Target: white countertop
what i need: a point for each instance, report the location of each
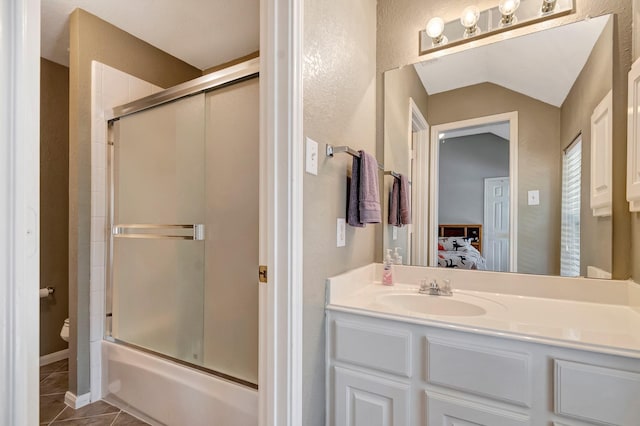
(601, 327)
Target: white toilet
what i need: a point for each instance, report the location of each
(64, 333)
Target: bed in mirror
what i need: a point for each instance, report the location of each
(496, 142)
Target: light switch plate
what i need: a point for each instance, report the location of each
(394, 232)
(341, 231)
(533, 198)
(312, 157)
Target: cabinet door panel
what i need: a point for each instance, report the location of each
(443, 410)
(596, 394)
(366, 400)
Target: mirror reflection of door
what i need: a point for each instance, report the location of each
(496, 223)
(473, 202)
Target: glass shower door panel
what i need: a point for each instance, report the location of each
(158, 212)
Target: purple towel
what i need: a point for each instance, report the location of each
(363, 204)
(369, 197)
(353, 215)
(394, 201)
(404, 205)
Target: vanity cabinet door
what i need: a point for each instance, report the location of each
(444, 410)
(366, 400)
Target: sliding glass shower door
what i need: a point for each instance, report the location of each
(184, 240)
(158, 229)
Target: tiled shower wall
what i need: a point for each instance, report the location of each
(110, 88)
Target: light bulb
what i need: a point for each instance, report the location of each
(469, 21)
(508, 7)
(469, 17)
(435, 29)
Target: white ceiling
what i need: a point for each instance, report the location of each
(543, 65)
(203, 33)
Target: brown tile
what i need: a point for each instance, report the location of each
(126, 419)
(54, 366)
(95, 409)
(104, 420)
(55, 383)
(51, 406)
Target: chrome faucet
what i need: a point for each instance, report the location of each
(433, 289)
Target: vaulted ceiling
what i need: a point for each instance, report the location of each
(202, 33)
(543, 65)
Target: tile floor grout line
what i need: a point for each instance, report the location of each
(116, 418)
(57, 415)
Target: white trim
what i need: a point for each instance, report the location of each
(19, 210)
(54, 357)
(281, 160)
(512, 118)
(76, 402)
(420, 184)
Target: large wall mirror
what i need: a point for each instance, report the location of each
(495, 141)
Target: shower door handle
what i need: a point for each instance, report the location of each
(153, 231)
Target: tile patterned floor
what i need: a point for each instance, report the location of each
(54, 381)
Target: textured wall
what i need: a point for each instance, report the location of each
(635, 217)
(591, 86)
(399, 22)
(54, 203)
(339, 108)
(399, 86)
(539, 166)
(94, 39)
(464, 163)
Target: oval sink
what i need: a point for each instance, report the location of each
(431, 305)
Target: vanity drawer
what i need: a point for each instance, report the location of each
(445, 410)
(380, 348)
(485, 371)
(597, 394)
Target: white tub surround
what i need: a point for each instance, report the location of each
(561, 351)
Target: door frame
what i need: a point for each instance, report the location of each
(512, 118)
(281, 198)
(19, 211)
(419, 126)
(280, 396)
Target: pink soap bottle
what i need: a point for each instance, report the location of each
(387, 269)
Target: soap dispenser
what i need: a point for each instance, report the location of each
(387, 269)
(397, 259)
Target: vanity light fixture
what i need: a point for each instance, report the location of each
(469, 21)
(508, 9)
(475, 24)
(435, 30)
(548, 6)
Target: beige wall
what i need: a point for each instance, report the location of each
(94, 39)
(399, 86)
(54, 203)
(399, 22)
(539, 165)
(635, 217)
(339, 108)
(591, 86)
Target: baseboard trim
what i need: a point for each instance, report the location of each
(54, 357)
(76, 402)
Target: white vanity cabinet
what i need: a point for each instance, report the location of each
(386, 372)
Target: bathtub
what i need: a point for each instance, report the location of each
(165, 393)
